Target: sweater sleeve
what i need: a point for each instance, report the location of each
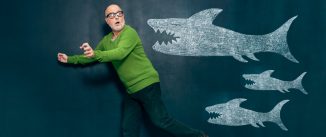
(82, 59)
(126, 44)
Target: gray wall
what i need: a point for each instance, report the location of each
(40, 97)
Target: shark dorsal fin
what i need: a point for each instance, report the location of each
(267, 72)
(237, 101)
(206, 16)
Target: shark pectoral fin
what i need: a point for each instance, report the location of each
(261, 124)
(281, 90)
(239, 58)
(286, 90)
(252, 56)
(254, 124)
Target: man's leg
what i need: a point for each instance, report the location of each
(131, 117)
(150, 99)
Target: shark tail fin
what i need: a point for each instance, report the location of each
(298, 83)
(275, 114)
(278, 41)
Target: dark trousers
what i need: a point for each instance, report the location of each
(149, 99)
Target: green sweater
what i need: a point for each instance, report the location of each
(127, 55)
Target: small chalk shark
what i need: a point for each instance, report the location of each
(264, 81)
(197, 36)
(231, 114)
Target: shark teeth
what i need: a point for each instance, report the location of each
(161, 31)
(214, 113)
(250, 82)
(213, 118)
(174, 40)
(169, 32)
(156, 43)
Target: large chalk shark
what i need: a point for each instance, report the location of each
(264, 81)
(197, 36)
(231, 114)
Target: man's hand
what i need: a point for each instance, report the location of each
(88, 51)
(62, 57)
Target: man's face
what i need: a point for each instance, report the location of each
(114, 17)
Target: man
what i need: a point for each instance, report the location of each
(124, 49)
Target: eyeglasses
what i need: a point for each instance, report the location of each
(113, 15)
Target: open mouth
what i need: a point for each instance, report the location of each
(166, 37)
(249, 82)
(214, 116)
(117, 23)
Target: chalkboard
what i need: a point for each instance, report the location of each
(40, 97)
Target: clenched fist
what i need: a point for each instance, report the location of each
(88, 51)
(62, 57)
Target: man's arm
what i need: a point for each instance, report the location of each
(80, 59)
(126, 44)
(83, 59)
